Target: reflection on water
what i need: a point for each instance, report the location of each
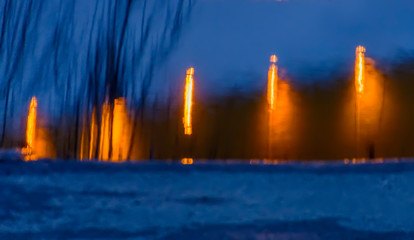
(104, 139)
(115, 134)
(38, 140)
(120, 132)
(282, 123)
(94, 134)
(369, 107)
(363, 161)
(265, 162)
(30, 150)
(272, 84)
(188, 97)
(280, 114)
(187, 161)
(332, 120)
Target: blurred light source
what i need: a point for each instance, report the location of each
(187, 161)
(188, 95)
(93, 136)
(29, 150)
(272, 84)
(105, 132)
(360, 70)
(120, 125)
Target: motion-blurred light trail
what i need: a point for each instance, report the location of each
(120, 125)
(369, 104)
(360, 70)
(93, 136)
(29, 150)
(105, 132)
(359, 88)
(188, 95)
(272, 84)
(114, 138)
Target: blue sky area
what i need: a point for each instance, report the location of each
(229, 40)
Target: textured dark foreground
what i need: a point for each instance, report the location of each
(208, 200)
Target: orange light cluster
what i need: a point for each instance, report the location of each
(113, 139)
(105, 136)
(272, 84)
(188, 95)
(360, 69)
(115, 122)
(187, 161)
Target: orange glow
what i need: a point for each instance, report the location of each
(272, 83)
(105, 133)
(360, 70)
(81, 152)
(92, 141)
(369, 88)
(369, 105)
(29, 150)
(188, 95)
(114, 136)
(187, 161)
(283, 125)
(31, 124)
(120, 125)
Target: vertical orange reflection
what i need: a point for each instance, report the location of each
(360, 69)
(105, 133)
(93, 136)
(120, 125)
(359, 88)
(29, 150)
(31, 124)
(188, 95)
(282, 123)
(272, 84)
(82, 144)
(369, 98)
(114, 136)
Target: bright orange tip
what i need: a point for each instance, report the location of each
(190, 71)
(272, 84)
(360, 69)
(273, 59)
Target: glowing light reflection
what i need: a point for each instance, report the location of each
(272, 83)
(360, 69)
(120, 142)
(29, 150)
(188, 95)
(187, 161)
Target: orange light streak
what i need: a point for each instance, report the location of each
(105, 133)
(114, 138)
(360, 70)
(81, 152)
(359, 88)
(188, 95)
(29, 150)
(272, 84)
(120, 125)
(92, 142)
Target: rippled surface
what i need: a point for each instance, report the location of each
(207, 200)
